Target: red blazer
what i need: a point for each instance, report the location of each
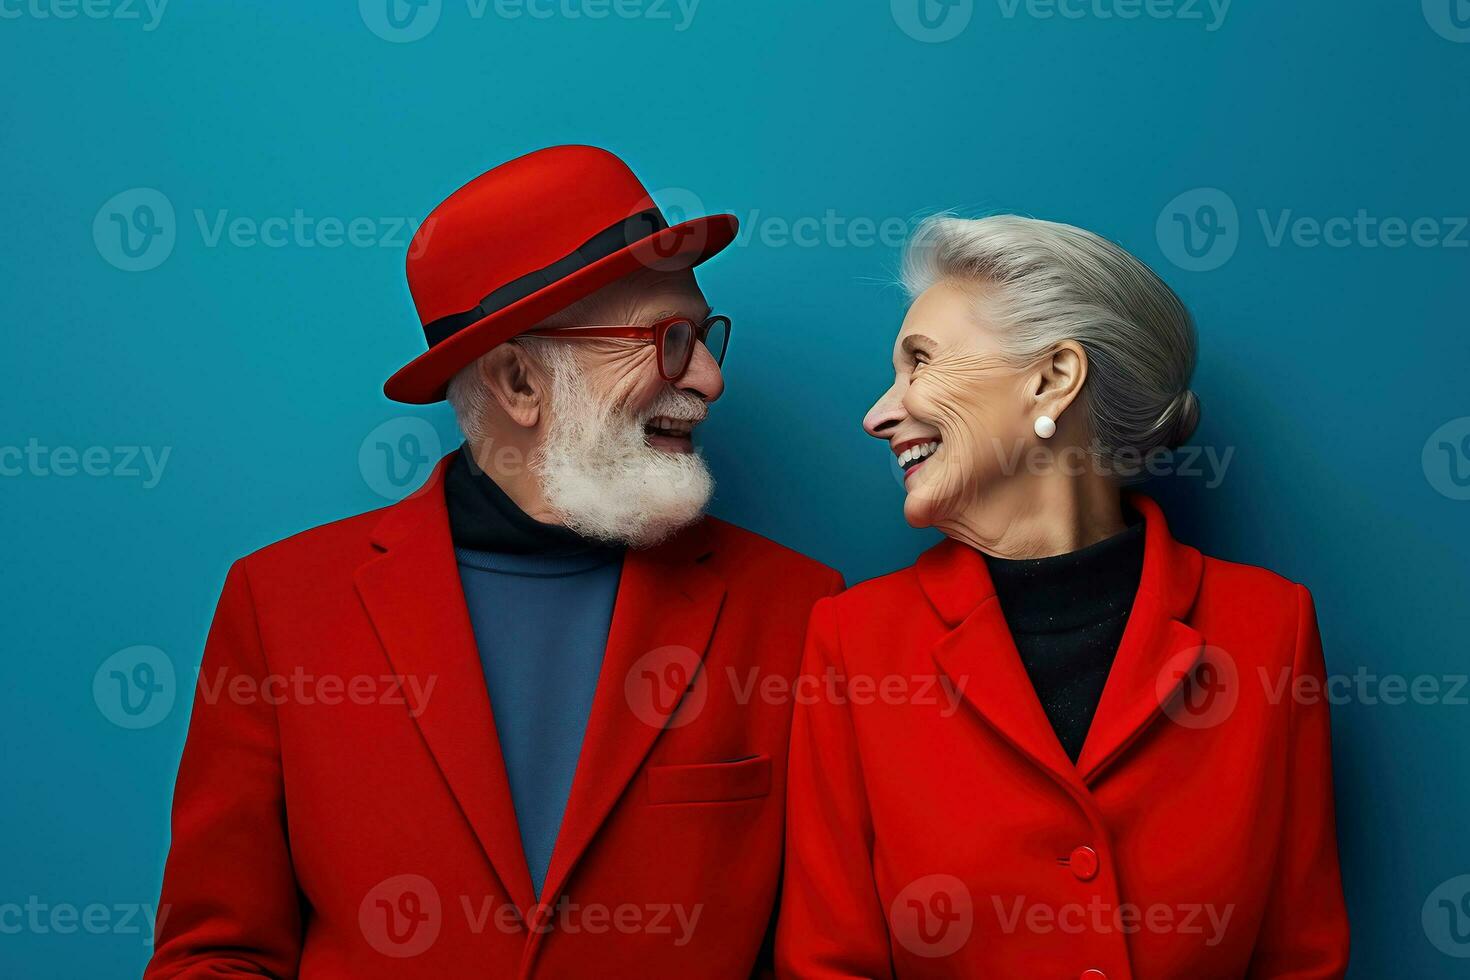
(342, 809)
(941, 831)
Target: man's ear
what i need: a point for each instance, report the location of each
(516, 382)
(1058, 379)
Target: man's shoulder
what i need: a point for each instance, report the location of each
(345, 542)
(745, 552)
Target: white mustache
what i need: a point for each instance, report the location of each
(676, 405)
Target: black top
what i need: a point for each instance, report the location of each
(482, 517)
(1067, 614)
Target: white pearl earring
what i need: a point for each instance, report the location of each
(1045, 427)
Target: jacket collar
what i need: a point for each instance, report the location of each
(413, 595)
(1158, 649)
(667, 598)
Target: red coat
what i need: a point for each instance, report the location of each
(342, 809)
(941, 831)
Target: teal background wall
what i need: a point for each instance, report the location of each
(237, 337)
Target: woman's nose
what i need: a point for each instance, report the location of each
(886, 413)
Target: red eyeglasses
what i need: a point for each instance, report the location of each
(673, 339)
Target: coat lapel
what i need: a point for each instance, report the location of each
(662, 621)
(1157, 653)
(414, 597)
(1159, 650)
(979, 656)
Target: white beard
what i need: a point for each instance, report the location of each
(599, 475)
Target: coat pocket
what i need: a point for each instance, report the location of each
(712, 782)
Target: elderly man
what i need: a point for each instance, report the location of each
(533, 719)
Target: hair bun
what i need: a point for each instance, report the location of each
(1184, 411)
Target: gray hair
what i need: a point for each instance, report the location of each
(1052, 283)
(467, 394)
(469, 397)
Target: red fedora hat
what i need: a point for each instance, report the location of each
(526, 240)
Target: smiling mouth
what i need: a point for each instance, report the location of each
(913, 453)
(669, 434)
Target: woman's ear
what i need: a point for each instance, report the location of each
(516, 382)
(1058, 379)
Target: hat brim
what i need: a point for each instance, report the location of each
(683, 246)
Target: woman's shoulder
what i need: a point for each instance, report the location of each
(894, 597)
(1243, 578)
(1253, 611)
(900, 583)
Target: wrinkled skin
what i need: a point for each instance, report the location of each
(985, 486)
(623, 371)
(626, 371)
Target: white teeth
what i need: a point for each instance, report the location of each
(670, 425)
(915, 453)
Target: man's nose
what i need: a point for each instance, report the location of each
(703, 379)
(886, 413)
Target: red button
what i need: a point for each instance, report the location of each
(1084, 864)
(1094, 975)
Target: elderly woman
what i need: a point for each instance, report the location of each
(1062, 743)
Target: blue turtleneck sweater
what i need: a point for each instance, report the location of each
(540, 599)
